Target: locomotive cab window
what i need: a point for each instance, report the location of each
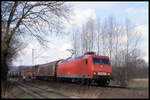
(86, 61)
(101, 61)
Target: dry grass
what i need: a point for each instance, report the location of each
(81, 91)
(76, 90)
(139, 83)
(140, 80)
(12, 91)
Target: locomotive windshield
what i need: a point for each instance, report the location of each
(101, 61)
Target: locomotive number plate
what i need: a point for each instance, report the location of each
(101, 73)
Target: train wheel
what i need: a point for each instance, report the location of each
(73, 80)
(55, 79)
(88, 82)
(104, 82)
(83, 81)
(107, 82)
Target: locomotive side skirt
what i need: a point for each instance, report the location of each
(74, 76)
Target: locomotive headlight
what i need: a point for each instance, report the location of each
(108, 73)
(94, 73)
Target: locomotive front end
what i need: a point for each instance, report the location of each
(102, 72)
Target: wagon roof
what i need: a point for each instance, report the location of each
(27, 67)
(54, 62)
(13, 69)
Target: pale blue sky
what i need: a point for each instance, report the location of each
(137, 12)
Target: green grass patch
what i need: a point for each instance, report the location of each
(25, 95)
(48, 95)
(144, 86)
(34, 89)
(63, 92)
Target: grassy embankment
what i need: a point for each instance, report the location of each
(139, 84)
(14, 92)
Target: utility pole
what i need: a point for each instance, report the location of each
(21, 62)
(32, 56)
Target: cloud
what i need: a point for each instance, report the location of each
(96, 5)
(146, 58)
(65, 46)
(143, 30)
(138, 15)
(56, 51)
(79, 17)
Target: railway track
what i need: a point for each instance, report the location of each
(37, 92)
(48, 91)
(72, 90)
(31, 93)
(96, 85)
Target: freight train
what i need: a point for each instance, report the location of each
(84, 69)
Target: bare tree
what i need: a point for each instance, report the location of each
(88, 32)
(110, 27)
(98, 35)
(104, 38)
(84, 42)
(76, 41)
(23, 19)
(117, 42)
(132, 40)
(115, 39)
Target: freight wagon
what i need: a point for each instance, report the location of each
(27, 72)
(47, 71)
(13, 72)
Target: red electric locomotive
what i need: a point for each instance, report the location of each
(86, 69)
